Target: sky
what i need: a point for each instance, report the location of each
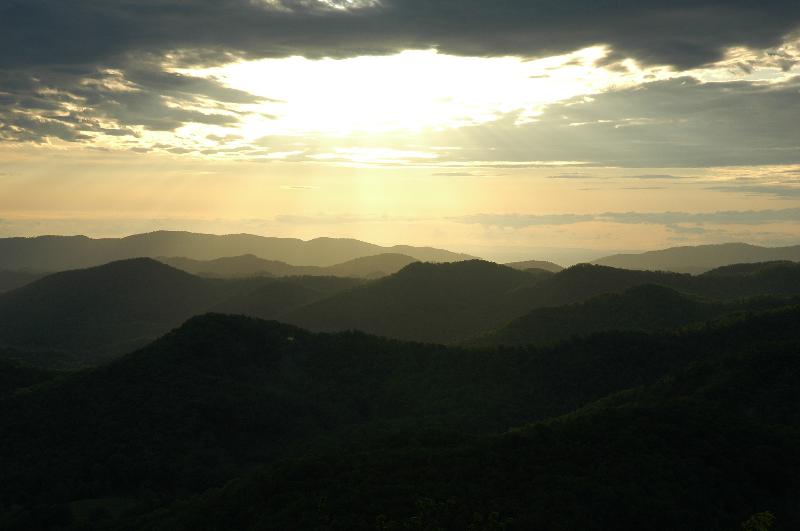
(508, 129)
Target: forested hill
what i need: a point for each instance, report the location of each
(455, 302)
(425, 302)
(250, 265)
(647, 307)
(715, 445)
(400, 424)
(86, 316)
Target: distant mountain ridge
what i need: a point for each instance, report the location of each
(700, 258)
(58, 253)
(535, 264)
(424, 302)
(452, 303)
(89, 315)
(250, 265)
(644, 308)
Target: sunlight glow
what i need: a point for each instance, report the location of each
(411, 91)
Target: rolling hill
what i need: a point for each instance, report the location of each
(713, 445)
(393, 432)
(85, 316)
(251, 265)
(58, 253)
(451, 303)
(701, 258)
(535, 264)
(424, 302)
(646, 307)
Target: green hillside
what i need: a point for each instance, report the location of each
(425, 302)
(644, 308)
(711, 446)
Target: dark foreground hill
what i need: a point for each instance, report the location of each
(359, 432)
(714, 445)
(644, 308)
(701, 258)
(251, 265)
(57, 253)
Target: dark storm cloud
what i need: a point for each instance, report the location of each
(50, 48)
(70, 103)
(680, 32)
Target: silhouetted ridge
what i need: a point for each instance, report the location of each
(701, 258)
(107, 309)
(251, 265)
(423, 302)
(705, 447)
(56, 253)
(647, 307)
(535, 264)
(750, 269)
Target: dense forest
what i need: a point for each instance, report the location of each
(138, 396)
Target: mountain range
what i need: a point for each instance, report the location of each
(700, 258)
(251, 265)
(384, 392)
(58, 253)
(99, 313)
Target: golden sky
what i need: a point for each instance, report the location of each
(564, 155)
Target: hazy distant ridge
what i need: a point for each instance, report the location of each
(535, 264)
(701, 258)
(251, 265)
(56, 253)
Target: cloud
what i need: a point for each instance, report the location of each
(77, 104)
(670, 219)
(780, 191)
(455, 174)
(658, 176)
(681, 122)
(571, 176)
(682, 33)
(591, 176)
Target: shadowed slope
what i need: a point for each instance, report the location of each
(222, 392)
(107, 309)
(704, 448)
(645, 308)
(251, 265)
(423, 302)
(16, 279)
(535, 264)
